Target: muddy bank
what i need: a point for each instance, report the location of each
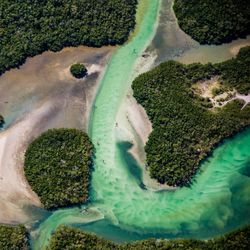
(46, 77)
(171, 43)
(40, 95)
(213, 53)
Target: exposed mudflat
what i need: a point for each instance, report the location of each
(41, 94)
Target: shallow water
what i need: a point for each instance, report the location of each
(121, 208)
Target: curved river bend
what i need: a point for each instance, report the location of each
(120, 209)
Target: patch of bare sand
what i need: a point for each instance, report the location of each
(14, 190)
(205, 89)
(134, 124)
(40, 95)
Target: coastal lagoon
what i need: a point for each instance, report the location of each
(122, 206)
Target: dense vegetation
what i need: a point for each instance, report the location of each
(58, 165)
(184, 130)
(214, 21)
(236, 72)
(29, 27)
(70, 238)
(13, 238)
(1, 121)
(78, 70)
(17, 238)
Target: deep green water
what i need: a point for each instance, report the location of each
(121, 208)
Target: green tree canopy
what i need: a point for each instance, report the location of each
(184, 129)
(29, 27)
(78, 70)
(14, 238)
(58, 166)
(70, 238)
(214, 21)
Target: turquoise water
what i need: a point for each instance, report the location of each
(121, 208)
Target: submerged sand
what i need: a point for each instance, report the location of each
(40, 95)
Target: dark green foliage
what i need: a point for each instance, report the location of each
(218, 91)
(70, 238)
(1, 121)
(214, 21)
(29, 27)
(153, 244)
(184, 130)
(58, 166)
(198, 72)
(13, 238)
(236, 240)
(236, 72)
(78, 70)
(75, 239)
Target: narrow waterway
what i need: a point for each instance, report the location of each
(120, 209)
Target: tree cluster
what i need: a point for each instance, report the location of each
(1, 121)
(184, 129)
(70, 238)
(78, 70)
(29, 27)
(214, 21)
(235, 73)
(14, 238)
(58, 166)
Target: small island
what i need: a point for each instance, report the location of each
(213, 21)
(78, 70)
(14, 237)
(1, 121)
(188, 122)
(58, 165)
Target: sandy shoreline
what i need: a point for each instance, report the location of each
(14, 190)
(40, 95)
(133, 124)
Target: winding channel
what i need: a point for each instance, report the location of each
(120, 209)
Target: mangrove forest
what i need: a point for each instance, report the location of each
(58, 166)
(70, 238)
(185, 129)
(214, 21)
(30, 27)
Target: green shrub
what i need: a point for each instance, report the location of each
(1, 121)
(218, 91)
(78, 70)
